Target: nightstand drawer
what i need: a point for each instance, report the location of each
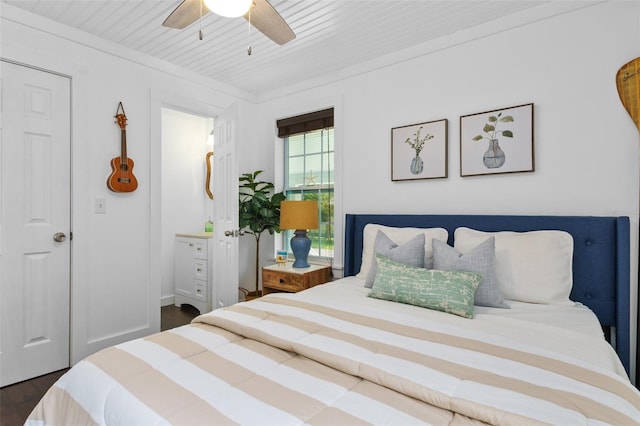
(283, 281)
(285, 278)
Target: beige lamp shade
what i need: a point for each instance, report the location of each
(299, 215)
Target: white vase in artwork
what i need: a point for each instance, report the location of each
(493, 157)
(417, 165)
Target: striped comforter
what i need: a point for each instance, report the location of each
(297, 359)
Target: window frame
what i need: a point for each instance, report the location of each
(294, 106)
(315, 188)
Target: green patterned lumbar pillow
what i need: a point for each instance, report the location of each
(447, 291)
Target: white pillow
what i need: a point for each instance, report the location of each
(398, 236)
(534, 267)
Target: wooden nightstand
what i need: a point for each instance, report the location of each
(288, 279)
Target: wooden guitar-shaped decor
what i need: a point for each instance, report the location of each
(122, 178)
(628, 84)
(207, 182)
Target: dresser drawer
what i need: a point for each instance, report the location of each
(200, 290)
(200, 269)
(200, 249)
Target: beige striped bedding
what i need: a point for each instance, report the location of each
(333, 356)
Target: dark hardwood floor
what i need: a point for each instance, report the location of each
(17, 400)
(171, 316)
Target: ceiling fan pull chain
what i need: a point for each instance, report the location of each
(200, 30)
(249, 34)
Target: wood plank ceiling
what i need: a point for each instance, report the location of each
(331, 35)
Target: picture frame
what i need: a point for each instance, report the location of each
(497, 141)
(419, 151)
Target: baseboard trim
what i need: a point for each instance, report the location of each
(167, 300)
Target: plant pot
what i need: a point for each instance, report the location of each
(252, 295)
(417, 165)
(246, 295)
(494, 157)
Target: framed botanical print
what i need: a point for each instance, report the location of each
(419, 151)
(497, 141)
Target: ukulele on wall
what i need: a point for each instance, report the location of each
(122, 178)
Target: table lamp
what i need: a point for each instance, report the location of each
(299, 215)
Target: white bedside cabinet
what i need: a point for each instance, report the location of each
(193, 270)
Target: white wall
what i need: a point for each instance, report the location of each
(586, 146)
(116, 257)
(253, 139)
(185, 206)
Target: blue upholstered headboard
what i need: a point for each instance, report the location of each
(601, 274)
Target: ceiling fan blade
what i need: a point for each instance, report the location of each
(185, 14)
(268, 21)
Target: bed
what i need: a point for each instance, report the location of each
(342, 353)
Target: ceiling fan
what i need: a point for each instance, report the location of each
(260, 13)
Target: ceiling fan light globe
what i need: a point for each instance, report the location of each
(228, 8)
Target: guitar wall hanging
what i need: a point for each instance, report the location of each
(628, 84)
(122, 178)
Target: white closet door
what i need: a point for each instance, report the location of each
(35, 143)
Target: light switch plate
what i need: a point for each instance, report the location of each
(100, 206)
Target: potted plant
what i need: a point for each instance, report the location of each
(258, 212)
(494, 157)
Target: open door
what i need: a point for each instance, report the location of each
(225, 209)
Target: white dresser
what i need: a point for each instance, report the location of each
(193, 270)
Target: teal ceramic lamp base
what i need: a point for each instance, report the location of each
(300, 245)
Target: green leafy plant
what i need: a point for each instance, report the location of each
(417, 144)
(491, 128)
(259, 211)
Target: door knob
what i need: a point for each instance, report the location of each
(228, 233)
(59, 237)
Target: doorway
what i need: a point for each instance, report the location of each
(35, 222)
(185, 204)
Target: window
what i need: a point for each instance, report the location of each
(308, 175)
